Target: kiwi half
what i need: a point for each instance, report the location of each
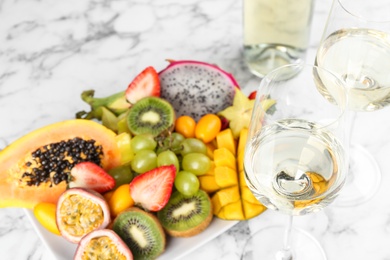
(150, 115)
(186, 216)
(142, 233)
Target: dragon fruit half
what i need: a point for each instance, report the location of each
(196, 88)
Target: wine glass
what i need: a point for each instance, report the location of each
(295, 161)
(356, 46)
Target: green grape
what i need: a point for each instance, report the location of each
(197, 163)
(193, 145)
(186, 183)
(143, 161)
(143, 142)
(122, 175)
(168, 158)
(176, 140)
(172, 142)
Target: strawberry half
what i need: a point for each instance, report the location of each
(92, 176)
(152, 190)
(146, 84)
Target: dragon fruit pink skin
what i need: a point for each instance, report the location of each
(196, 88)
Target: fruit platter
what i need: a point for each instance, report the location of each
(151, 172)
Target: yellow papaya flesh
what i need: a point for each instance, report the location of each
(35, 167)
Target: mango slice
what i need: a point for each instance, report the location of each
(223, 157)
(225, 139)
(225, 182)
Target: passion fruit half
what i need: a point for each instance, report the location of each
(80, 211)
(102, 244)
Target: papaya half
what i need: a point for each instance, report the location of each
(35, 168)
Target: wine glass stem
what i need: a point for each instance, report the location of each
(286, 252)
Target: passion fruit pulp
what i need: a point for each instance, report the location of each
(80, 211)
(102, 244)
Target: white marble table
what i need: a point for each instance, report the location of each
(50, 51)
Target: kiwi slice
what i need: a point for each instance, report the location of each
(186, 216)
(150, 115)
(142, 233)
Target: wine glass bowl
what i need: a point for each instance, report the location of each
(356, 46)
(295, 162)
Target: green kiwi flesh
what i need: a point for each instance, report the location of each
(186, 216)
(142, 233)
(150, 115)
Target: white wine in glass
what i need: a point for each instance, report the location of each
(356, 46)
(362, 58)
(295, 162)
(301, 166)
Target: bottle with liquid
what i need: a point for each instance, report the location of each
(276, 33)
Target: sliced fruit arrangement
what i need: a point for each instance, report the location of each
(80, 211)
(231, 197)
(239, 113)
(45, 213)
(152, 190)
(150, 115)
(165, 158)
(92, 176)
(146, 84)
(142, 233)
(36, 167)
(186, 216)
(102, 244)
(197, 88)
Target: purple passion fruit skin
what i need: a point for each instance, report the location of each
(103, 244)
(80, 211)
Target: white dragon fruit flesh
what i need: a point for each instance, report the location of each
(196, 88)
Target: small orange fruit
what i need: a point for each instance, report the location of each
(45, 213)
(208, 127)
(185, 125)
(120, 200)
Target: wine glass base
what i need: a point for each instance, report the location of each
(363, 179)
(268, 242)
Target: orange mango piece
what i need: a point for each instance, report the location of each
(223, 157)
(248, 196)
(252, 210)
(211, 169)
(241, 179)
(210, 150)
(226, 140)
(224, 197)
(242, 141)
(208, 183)
(225, 181)
(240, 162)
(232, 211)
(225, 176)
(241, 149)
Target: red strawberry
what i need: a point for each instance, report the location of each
(252, 95)
(146, 84)
(152, 190)
(92, 176)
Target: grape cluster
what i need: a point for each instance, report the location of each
(189, 155)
